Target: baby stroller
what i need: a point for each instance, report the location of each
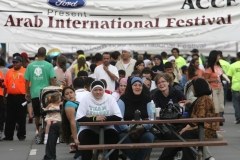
(44, 95)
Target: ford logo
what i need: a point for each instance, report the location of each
(67, 4)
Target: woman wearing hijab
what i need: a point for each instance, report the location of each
(159, 67)
(120, 91)
(176, 71)
(148, 63)
(202, 107)
(136, 97)
(98, 106)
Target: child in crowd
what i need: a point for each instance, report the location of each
(168, 68)
(176, 70)
(184, 75)
(176, 85)
(82, 74)
(139, 66)
(148, 74)
(122, 74)
(136, 73)
(105, 84)
(52, 117)
(92, 69)
(87, 83)
(147, 82)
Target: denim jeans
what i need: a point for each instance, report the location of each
(50, 150)
(225, 89)
(236, 103)
(141, 154)
(169, 153)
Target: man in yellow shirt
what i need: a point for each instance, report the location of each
(234, 74)
(225, 66)
(180, 61)
(195, 51)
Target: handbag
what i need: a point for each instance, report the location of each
(161, 132)
(172, 111)
(137, 133)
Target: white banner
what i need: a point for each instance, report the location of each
(228, 48)
(119, 22)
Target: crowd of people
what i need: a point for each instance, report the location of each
(111, 87)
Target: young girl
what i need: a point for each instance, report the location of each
(69, 126)
(52, 117)
(139, 65)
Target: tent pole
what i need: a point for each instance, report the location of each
(236, 47)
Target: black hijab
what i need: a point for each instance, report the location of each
(160, 67)
(201, 88)
(135, 102)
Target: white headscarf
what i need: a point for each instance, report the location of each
(101, 100)
(171, 58)
(146, 61)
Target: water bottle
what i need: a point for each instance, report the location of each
(170, 104)
(170, 101)
(137, 115)
(153, 111)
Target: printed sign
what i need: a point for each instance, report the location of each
(67, 4)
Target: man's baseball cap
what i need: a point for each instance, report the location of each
(194, 51)
(17, 59)
(24, 54)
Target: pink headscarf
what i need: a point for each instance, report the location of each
(122, 81)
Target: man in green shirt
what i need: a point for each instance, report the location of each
(234, 74)
(180, 61)
(225, 66)
(39, 74)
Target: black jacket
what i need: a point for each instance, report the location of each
(161, 101)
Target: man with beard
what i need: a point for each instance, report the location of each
(107, 71)
(126, 63)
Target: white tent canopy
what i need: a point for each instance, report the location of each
(107, 25)
(228, 48)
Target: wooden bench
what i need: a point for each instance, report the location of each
(153, 145)
(160, 144)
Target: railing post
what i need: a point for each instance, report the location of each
(200, 138)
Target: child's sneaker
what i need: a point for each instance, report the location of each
(72, 148)
(45, 140)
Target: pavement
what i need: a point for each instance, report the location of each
(28, 150)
